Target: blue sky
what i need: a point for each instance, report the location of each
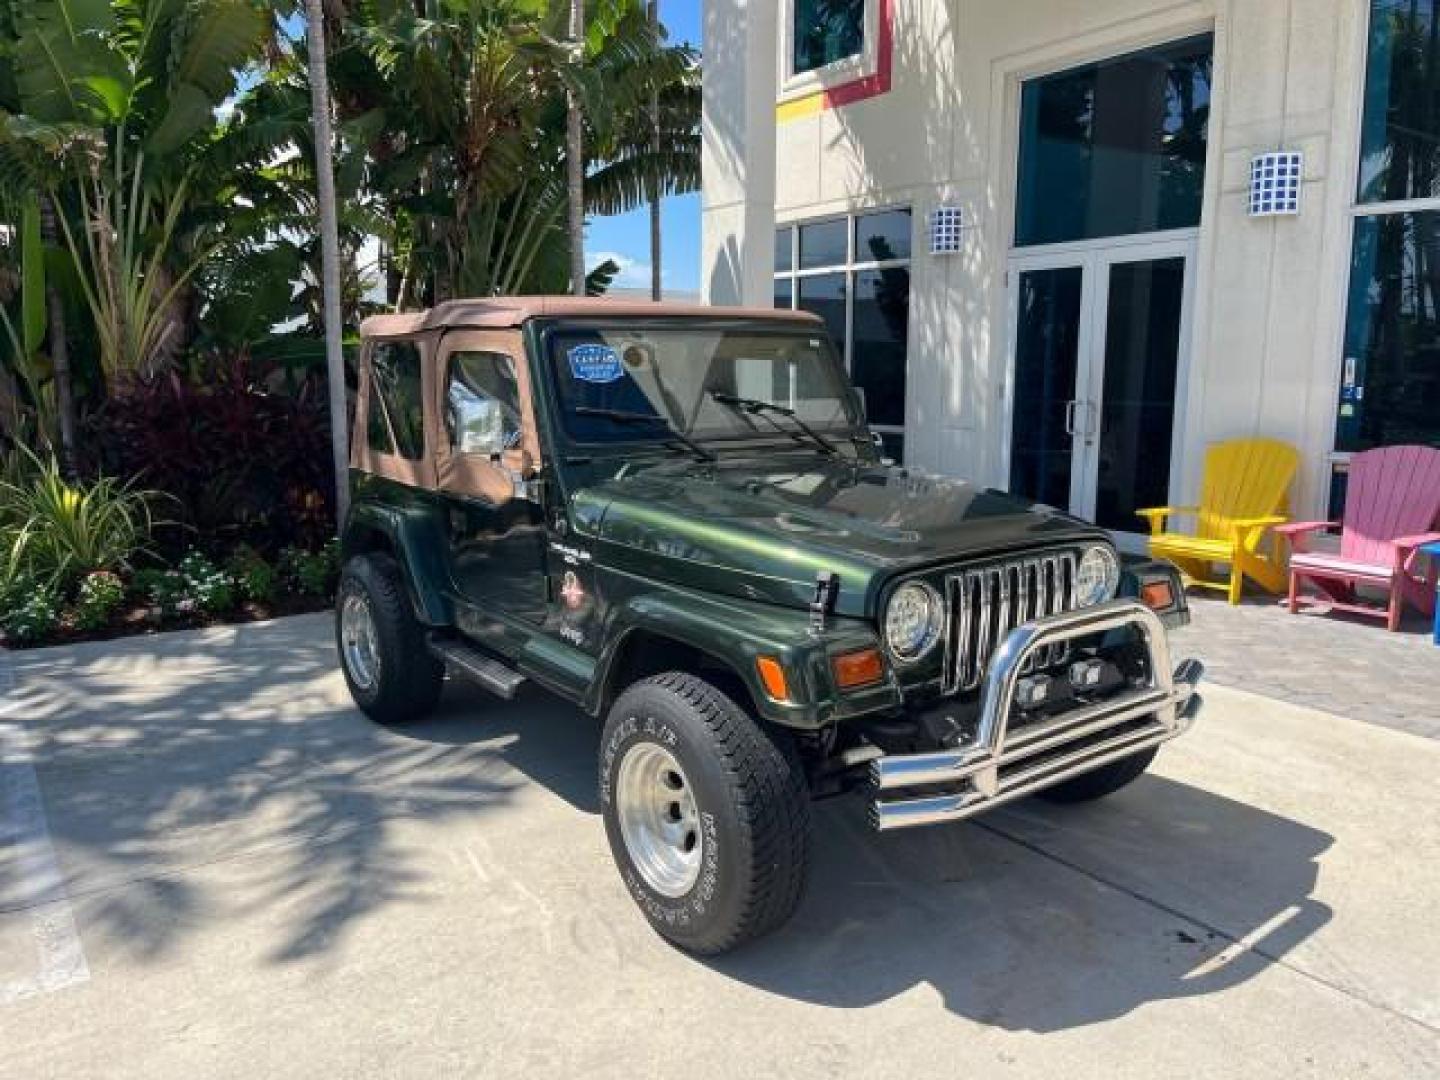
(626, 237)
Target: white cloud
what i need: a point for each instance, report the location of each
(634, 273)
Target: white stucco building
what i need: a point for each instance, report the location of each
(1111, 301)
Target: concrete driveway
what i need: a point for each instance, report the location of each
(215, 867)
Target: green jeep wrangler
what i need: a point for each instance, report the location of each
(677, 519)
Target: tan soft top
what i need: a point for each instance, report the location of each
(507, 311)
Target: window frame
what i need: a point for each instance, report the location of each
(474, 475)
(865, 63)
(1337, 461)
(851, 269)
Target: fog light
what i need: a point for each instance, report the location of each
(1032, 690)
(1086, 674)
(1157, 595)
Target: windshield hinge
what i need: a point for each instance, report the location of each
(827, 589)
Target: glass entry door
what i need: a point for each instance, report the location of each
(1098, 351)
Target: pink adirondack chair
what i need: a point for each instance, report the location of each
(1391, 506)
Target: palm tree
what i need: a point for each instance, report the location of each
(654, 194)
(330, 246)
(575, 153)
(122, 97)
(463, 120)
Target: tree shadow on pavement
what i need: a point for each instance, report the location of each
(1043, 918)
(164, 755)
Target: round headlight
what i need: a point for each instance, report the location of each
(1098, 576)
(914, 620)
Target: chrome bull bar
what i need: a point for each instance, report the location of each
(996, 766)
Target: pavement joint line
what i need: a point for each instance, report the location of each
(1210, 928)
(25, 833)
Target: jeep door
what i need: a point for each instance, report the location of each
(487, 458)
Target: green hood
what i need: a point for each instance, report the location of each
(762, 529)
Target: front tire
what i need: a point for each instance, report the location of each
(707, 814)
(388, 667)
(1105, 780)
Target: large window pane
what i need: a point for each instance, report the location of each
(784, 251)
(882, 236)
(1137, 410)
(1116, 147)
(1400, 140)
(882, 315)
(1047, 351)
(784, 292)
(1390, 387)
(827, 31)
(824, 294)
(823, 244)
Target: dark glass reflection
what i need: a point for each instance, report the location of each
(1116, 147)
(824, 244)
(1400, 137)
(882, 316)
(1390, 384)
(1046, 354)
(784, 252)
(882, 236)
(824, 294)
(827, 31)
(784, 293)
(894, 444)
(1137, 410)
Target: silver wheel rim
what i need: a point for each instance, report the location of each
(357, 640)
(659, 821)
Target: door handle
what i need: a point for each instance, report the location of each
(1092, 420)
(1070, 417)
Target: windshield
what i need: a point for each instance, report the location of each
(654, 383)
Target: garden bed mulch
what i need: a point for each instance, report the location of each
(140, 620)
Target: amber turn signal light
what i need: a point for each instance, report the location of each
(1157, 595)
(772, 675)
(855, 669)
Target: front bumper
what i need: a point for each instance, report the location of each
(991, 768)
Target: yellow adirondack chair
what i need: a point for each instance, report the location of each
(1244, 494)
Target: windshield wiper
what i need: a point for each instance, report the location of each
(756, 407)
(620, 416)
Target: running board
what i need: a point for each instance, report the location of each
(491, 674)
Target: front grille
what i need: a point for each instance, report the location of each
(983, 604)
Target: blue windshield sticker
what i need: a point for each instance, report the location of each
(596, 364)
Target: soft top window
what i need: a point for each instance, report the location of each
(395, 366)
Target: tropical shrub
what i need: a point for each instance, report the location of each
(55, 531)
(313, 573)
(245, 462)
(207, 587)
(164, 589)
(255, 578)
(100, 595)
(34, 617)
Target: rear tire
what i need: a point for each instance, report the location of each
(707, 813)
(388, 667)
(1105, 780)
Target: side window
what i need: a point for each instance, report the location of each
(482, 403)
(397, 392)
(377, 427)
